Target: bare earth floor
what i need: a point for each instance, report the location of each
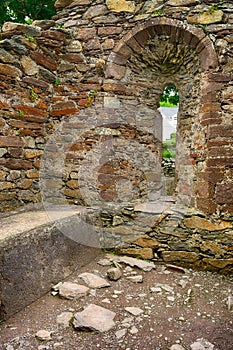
(177, 308)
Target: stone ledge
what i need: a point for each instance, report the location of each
(34, 255)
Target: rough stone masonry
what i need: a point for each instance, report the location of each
(83, 89)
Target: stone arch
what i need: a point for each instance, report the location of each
(193, 133)
(135, 39)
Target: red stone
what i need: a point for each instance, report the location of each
(44, 60)
(16, 164)
(11, 141)
(224, 193)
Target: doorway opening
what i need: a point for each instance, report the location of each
(169, 106)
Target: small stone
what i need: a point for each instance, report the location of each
(202, 344)
(114, 273)
(135, 311)
(135, 279)
(95, 318)
(121, 333)
(94, 281)
(71, 291)
(133, 330)
(141, 264)
(43, 335)
(176, 347)
(104, 262)
(64, 319)
(9, 347)
(182, 283)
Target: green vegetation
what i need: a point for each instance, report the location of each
(170, 97)
(33, 96)
(26, 11)
(169, 147)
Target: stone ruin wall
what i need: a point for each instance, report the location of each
(112, 55)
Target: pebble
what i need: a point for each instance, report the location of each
(43, 335)
(64, 319)
(121, 333)
(202, 344)
(177, 347)
(136, 311)
(114, 273)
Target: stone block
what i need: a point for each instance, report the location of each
(33, 258)
(11, 141)
(44, 60)
(224, 193)
(180, 256)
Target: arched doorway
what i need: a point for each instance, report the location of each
(160, 52)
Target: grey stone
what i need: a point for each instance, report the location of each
(9, 45)
(94, 281)
(114, 273)
(202, 344)
(95, 318)
(136, 311)
(177, 347)
(64, 319)
(143, 265)
(43, 335)
(69, 290)
(121, 333)
(135, 279)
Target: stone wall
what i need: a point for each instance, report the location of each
(80, 93)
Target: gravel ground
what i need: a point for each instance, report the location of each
(178, 308)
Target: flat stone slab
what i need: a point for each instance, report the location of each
(141, 264)
(94, 281)
(69, 290)
(35, 254)
(95, 318)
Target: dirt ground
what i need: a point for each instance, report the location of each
(179, 307)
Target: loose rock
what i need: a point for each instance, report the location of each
(136, 311)
(95, 318)
(43, 335)
(94, 281)
(72, 291)
(114, 273)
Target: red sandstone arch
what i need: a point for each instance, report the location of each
(135, 40)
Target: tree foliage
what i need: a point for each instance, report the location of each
(170, 96)
(23, 10)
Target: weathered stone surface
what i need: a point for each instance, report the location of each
(135, 279)
(120, 5)
(206, 17)
(62, 3)
(9, 70)
(144, 265)
(180, 256)
(44, 24)
(64, 319)
(94, 281)
(69, 290)
(202, 344)
(182, 2)
(204, 224)
(218, 263)
(44, 335)
(114, 273)
(143, 253)
(146, 241)
(29, 66)
(135, 311)
(95, 318)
